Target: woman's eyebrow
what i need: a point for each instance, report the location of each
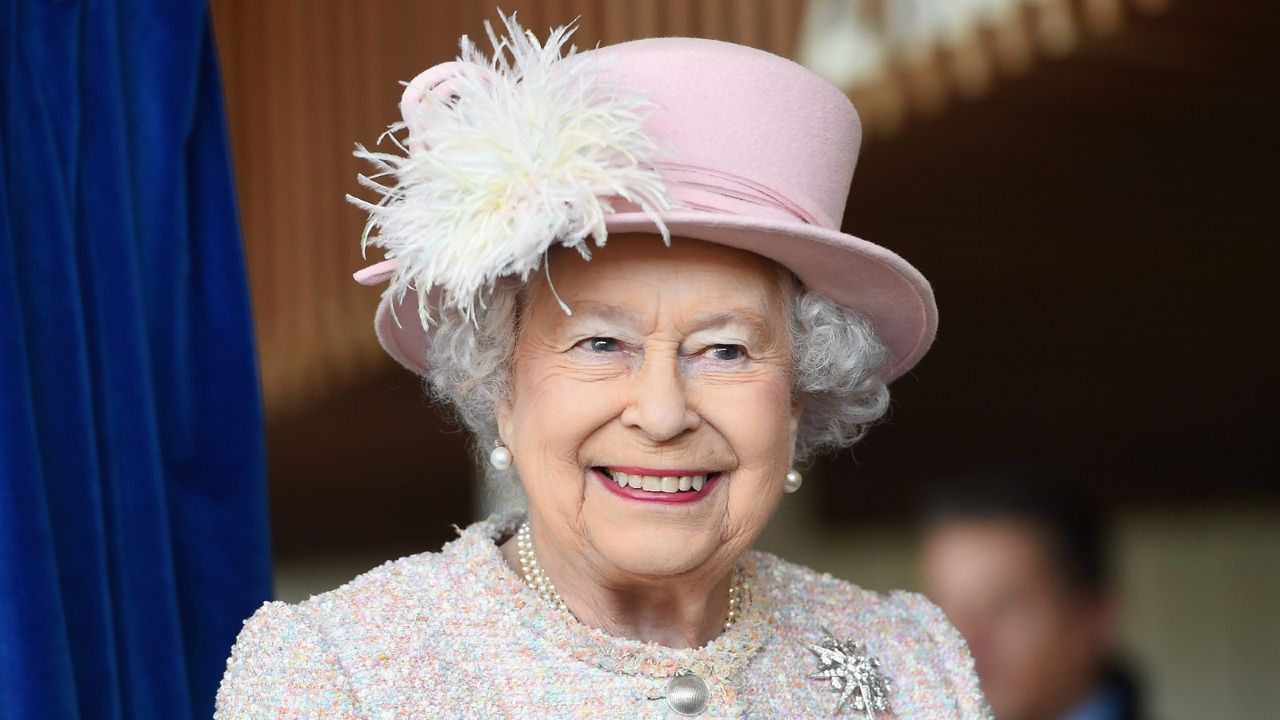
(746, 318)
(612, 314)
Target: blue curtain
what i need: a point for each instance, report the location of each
(133, 535)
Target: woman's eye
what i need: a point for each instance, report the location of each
(726, 353)
(601, 344)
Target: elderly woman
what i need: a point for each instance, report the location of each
(650, 399)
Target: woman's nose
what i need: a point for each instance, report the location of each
(659, 404)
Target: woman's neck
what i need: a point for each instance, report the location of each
(682, 612)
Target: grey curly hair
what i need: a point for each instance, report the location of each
(836, 364)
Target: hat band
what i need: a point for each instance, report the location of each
(705, 189)
(692, 187)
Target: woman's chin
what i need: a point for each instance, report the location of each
(654, 552)
(660, 540)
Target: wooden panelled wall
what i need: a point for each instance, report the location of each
(306, 80)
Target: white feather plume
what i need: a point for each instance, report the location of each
(524, 153)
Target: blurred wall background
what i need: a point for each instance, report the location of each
(1084, 181)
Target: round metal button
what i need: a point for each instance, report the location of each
(687, 693)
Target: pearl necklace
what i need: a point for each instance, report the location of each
(536, 579)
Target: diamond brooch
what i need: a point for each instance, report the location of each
(853, 673)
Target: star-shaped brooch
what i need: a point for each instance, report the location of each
(853, 673)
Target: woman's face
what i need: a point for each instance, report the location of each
(674, 369)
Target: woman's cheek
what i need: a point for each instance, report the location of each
(566, 405)
(755, 415)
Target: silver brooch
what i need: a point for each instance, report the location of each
(853, 673)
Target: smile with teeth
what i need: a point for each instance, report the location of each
(656, 483)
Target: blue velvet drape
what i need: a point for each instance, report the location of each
(132, 505)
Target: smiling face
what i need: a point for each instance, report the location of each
(673, 371)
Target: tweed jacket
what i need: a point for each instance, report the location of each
(456, 634)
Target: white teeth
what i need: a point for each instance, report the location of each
(663, 483)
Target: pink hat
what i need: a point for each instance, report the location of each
(754, 152)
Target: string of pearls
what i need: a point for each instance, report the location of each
(737, 596)
(532, 571)
(536, 579)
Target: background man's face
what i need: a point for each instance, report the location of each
(1038, 645)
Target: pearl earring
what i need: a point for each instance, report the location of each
(500, 457)
(793, 482)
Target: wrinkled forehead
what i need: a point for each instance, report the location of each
(637, 275)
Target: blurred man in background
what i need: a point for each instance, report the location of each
(1023, 573)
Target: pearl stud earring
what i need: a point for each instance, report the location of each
(500, 457)
(793, 482)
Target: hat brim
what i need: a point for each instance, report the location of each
(859, 275)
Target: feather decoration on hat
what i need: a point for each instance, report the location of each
(513, 156)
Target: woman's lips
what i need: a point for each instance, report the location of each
(662, 486)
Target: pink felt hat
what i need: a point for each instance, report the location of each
(758, 153)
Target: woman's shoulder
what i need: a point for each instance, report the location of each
(279, 660)
(826, 594)
(924, 656)
(317, 653)
(383, 590)
(421, 587)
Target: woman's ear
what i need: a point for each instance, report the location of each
(504, 421)
(797, 410)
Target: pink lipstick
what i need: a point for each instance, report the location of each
(658, 485)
